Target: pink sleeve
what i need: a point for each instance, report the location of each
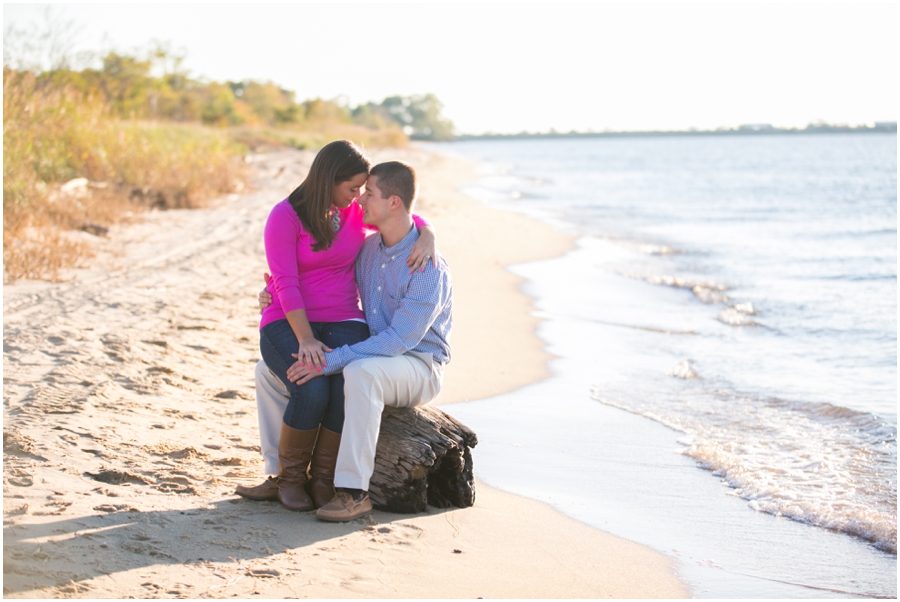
(281, 238)
(420, 222)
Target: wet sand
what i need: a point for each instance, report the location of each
(129, 417)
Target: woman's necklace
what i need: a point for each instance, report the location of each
(335, 219)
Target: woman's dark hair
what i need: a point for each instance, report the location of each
(337, 162)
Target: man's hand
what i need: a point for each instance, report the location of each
(265, 298)
(300, 374)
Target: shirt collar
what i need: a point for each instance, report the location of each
(405, 243)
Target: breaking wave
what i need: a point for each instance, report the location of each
(820, 464)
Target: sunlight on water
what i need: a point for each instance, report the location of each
(765, 268)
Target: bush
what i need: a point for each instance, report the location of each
(54, 133)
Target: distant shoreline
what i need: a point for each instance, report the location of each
(760, 130)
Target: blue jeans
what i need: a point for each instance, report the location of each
(321, 400)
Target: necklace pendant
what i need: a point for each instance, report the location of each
(335, 219)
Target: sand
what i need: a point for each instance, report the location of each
(129, 417)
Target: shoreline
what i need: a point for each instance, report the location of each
(480, 243)
(566, 441)
(758, 130)
(129, 418)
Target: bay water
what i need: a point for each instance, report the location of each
(725, 388)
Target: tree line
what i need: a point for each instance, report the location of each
(155, 85)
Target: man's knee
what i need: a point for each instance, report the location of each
(401, 381)
(359, 371)
(361, 382)
(266, 378)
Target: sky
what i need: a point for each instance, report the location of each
(511, 67)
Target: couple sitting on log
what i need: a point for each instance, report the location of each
(345, 234)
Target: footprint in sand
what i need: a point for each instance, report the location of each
(117, 477)
(144, 548)
(176, 452)
(403, 534)
(232, 394)
(53, 399)
(233, 462)
(20, 478)
(55, 507)
(113, 508)
(172, 487)
(20, 444)
(17, 511)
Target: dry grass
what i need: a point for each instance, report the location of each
(315, 136)
(71, 166)
(53, 135)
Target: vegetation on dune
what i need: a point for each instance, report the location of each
(83, 147)
(70, 163)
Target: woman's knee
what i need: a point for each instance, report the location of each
(315, 391)
(276, 343)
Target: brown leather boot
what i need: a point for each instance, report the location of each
(295, 449)
(321, 469)
(265, 491)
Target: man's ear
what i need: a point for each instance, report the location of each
(396, 201)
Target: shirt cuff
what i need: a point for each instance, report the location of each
(333, 362)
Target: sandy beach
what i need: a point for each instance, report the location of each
(129, 417)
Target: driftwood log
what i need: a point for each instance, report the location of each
(423, 457)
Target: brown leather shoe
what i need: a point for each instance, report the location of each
(265, 491)
(343, 508)
(295, 448)
(321, 468)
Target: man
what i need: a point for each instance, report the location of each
(409, 317)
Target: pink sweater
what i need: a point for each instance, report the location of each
(322, 283)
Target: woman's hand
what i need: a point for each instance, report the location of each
(300, 374)
(423, 250)
(311, 353)
(265, 298)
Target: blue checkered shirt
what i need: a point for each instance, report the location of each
(405, 312)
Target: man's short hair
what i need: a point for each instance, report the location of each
(397, 178)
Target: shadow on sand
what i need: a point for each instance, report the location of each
(65, 553)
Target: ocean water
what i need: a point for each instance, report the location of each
(732, 308)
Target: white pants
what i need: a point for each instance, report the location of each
(404, 381)
(272, 398)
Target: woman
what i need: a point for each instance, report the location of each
(312, 239)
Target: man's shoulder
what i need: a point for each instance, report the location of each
(442, 266)
(443, 269)
(437, 278)
(372, 241)
(369, 246)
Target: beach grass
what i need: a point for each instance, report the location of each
(72, 164)
(315, 136)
